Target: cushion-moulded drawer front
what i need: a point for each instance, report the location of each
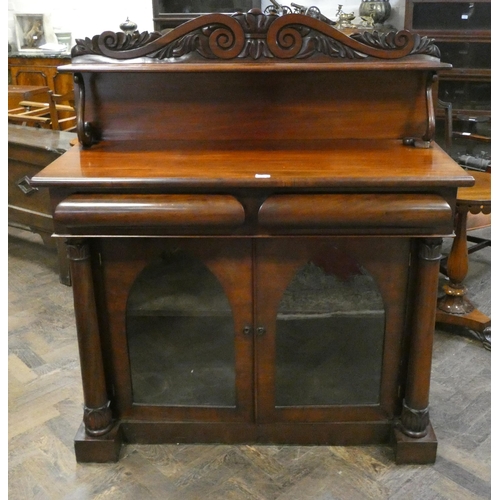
(153, 210)
(356, 211)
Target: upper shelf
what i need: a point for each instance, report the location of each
(263, 76)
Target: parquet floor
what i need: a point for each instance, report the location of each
(45, 410)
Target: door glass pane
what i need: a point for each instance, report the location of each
(180, 335)
(197, 6)
(329, 340)
(465, 95)
(452, 16)
(466, 54)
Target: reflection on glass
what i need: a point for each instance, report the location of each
(329, 340)
(452, 16)
(180, 336)
(199, 6)
(465, 94)
(466, 54)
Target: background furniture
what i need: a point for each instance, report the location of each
(473, 212)
(462, 31)
(29, 151)
(40, 70)
(18, 93)
(40, 107)
(168, 14)
(264, 267)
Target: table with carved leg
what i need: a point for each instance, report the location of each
(454, 308)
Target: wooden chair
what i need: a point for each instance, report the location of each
(53, 111)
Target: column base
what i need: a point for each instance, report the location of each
(100, 449)
(415, 450)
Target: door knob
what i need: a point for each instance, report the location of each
(261, 331)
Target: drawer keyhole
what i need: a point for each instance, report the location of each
(25, 186)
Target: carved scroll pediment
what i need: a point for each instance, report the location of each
(252, 36)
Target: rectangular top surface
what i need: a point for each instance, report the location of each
(220, 165)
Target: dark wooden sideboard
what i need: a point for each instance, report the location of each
(29, 151)
(253, 218)
(40, 70)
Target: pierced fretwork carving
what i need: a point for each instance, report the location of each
(253, 35)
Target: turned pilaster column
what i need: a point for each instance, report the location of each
(415, 414)
(97, 414)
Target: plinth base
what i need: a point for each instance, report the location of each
(98, 449)
(410, 450)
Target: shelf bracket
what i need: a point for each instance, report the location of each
(86, 132)
(426, 140)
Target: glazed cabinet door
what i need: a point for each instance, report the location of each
(177, 336)
(330, 319)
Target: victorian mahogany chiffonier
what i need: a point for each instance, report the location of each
(253, 217)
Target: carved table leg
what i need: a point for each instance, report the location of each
(99, 441)
(415, 441)
(454, 307)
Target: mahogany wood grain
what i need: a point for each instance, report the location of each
(317, 433)
(97, 413)
(355, 210)
(385, 259)
(415, 414)
(409, 450)
(102, 449)
(201, 107)
(418, 62)
(231, 263)
(150, 210)
(226, 165)
(243, 110)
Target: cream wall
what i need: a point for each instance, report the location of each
(92, 17)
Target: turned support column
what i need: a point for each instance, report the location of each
(454, 307)
(415, 414)
(457, 266)
(97, 413)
